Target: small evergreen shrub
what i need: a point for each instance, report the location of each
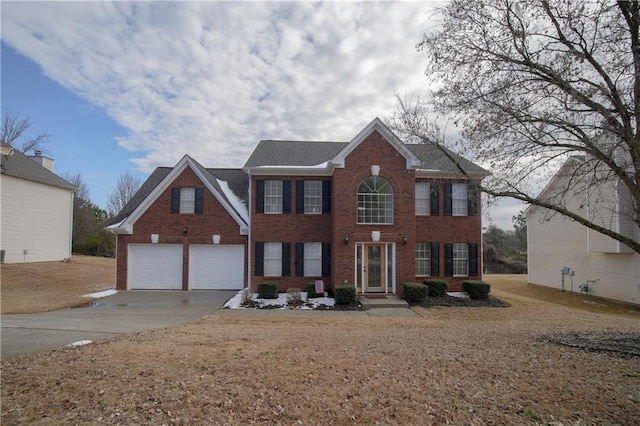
(268, 290)
(437, 288)
(311, 290)
(345, 294)
(414, 292)
(478, 290)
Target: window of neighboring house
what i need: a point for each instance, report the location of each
(423, 259)
(272, 259)
(187, 200)
(460, 199)
(273, 196)
(375, 201)
(313, 196)
(423, 192)
(460, 259)
(312, 259)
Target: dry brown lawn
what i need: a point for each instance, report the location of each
(47, 286)
(452, 365)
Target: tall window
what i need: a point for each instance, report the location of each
(422, 198)
(375, 201)
(273, 196)
(187, 200)
(460, 196)
(313, 196)
(460, 259)
(272, 259)
(423, 259)
(312, 259)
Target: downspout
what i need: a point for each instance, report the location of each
(249, 234)
(71, 226)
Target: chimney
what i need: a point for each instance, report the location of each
(45, 162)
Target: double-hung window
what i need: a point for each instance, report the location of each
(273, 196)
(312, 259)
(423, 259)
(272, 259)
(312, 196)
(423, 199)
(460, 259)
(460, 199)
(187, 200)
(375, 201)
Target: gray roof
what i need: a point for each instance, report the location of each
(237, 180)
(307, 153)
(19, 165)
(293, 153)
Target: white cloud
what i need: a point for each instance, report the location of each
(212, 78)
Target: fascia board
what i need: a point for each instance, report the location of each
(439, 174)
(293, 171)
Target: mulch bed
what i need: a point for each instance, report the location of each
(490, 302)
(625, 345)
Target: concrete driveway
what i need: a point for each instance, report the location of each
(124, 312)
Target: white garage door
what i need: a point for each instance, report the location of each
(155, 267)
(217, 267)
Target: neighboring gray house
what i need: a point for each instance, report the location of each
(566, 255)
(36, 209)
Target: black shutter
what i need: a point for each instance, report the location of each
(299, 260)
(175, 200)
(260, 196)
(448, 200)
(286, 259)
(259, 260)
(299, 196)
(435, 199)
(473, 260)
(199, 201)
(326, 259)
(286, 196)
(326, 196)
(448, 260)
(435, 259)
(473, 203)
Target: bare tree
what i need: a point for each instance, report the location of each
(534, 84)
(14, 129)
(126, 187)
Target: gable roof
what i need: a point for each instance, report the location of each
(313, 157)
(222, 183)
(19, 165)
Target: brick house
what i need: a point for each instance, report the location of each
(373, 212)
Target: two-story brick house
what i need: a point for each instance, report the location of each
(373, 212)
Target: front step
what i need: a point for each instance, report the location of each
(387, 301)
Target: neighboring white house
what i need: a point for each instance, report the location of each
(36, 209)
(566, 255)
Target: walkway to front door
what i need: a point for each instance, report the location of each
(375, 263)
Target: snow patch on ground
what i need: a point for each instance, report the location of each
(80, 343)
(280, 303)
(460, 294)
(101, 294)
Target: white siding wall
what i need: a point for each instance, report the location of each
(34, 217)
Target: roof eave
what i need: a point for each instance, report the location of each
(441, 174)
(291, 170)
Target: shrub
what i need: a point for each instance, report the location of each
(311, 290)
(437, 288)
(415, 293)
(345, 294)
(476, 289)
(268, 290)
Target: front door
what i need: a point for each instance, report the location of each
(374, 267)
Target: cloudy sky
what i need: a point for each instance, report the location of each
(127, 86)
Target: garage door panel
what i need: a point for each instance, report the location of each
(217, 267)
(154, 267)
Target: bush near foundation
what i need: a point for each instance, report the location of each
(344, 294)
(268, 290)
(478, 290)
(415, 292)
(437, 288)
(311, 290)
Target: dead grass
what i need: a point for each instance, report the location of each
(471, 366)
(47, 286)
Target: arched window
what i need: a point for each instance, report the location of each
(375, 201)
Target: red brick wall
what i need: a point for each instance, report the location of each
(158, 219)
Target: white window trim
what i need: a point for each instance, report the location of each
(272, 253)
(269, 197)
(312, 261)
(466, 259)
(187, 201)
(461, 190)
(369, 194)
(318, 197)
(428, 259)
(427, 198)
